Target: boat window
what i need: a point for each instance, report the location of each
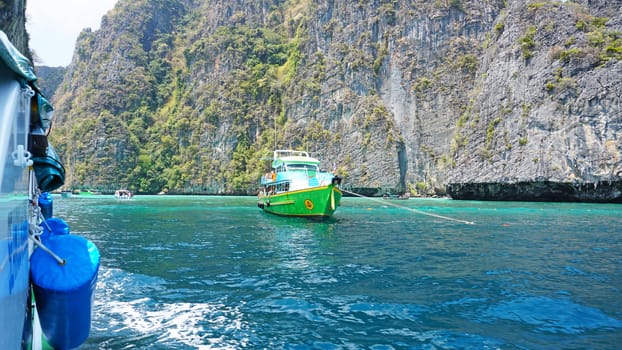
(308, 167)
(282, 186)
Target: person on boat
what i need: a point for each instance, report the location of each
(273, 175)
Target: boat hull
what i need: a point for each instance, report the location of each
(14, 242)
(317, 202)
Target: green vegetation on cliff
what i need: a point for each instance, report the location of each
(149, 124)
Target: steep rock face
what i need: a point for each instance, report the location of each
(548, 108)
(13, 24)
(397, 74)
(188, 96)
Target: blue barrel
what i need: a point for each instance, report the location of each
(46, 205)
(53, 227)
(64, 293)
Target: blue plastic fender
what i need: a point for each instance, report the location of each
(64, 293)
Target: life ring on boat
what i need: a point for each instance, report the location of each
(308, 204)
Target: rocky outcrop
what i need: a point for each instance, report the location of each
(545, 191)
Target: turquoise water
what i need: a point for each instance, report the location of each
(216, 272)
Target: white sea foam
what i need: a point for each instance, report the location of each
(172, 325)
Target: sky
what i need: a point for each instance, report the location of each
(54, 26)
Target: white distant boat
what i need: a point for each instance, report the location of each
(123, 194)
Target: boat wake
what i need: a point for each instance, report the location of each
(157, 324)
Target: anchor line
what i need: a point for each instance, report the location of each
(412, 209)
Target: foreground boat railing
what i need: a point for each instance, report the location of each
(47, 276)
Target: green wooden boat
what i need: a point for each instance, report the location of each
(297, 187)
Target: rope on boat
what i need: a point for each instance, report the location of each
(411, 209)
(38, 243)
(36, 216)
(35, 233)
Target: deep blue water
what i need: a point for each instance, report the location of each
(201, 272)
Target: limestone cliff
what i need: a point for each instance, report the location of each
(188, 96)
(13, 24)
(547, 111)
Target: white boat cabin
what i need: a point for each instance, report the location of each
(294, 170)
